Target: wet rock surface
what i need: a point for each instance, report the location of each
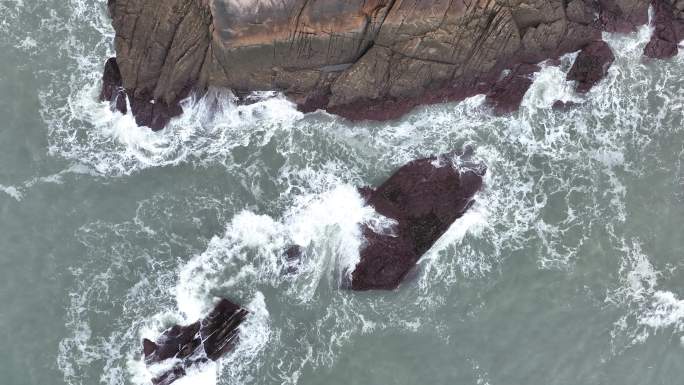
(507, 94)
(424, 198)
(622, 16)
(197, 343)
(668, 24)
(360, 59)
(154, 114)
(591, 65)
(112, 87)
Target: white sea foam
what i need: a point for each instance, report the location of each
(550, 85)
(651, 309)
(19, 191)
(549, 173)
(204, 272)
(326, 225)
(12, 192)
(200, 375)
(207, 131)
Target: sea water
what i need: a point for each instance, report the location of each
(568, 269)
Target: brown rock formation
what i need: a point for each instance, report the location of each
(207, 339)
(362, 59)
(591, 65)
(507, 94)
(424, 197)
(668, 29)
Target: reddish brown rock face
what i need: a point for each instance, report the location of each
(507, 94)
(207, 339)
(668, 30)
(591, 65)
(360, 59)
(424, 197)
(622, 16)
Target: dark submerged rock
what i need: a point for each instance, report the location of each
(424, 197)
(507, 94)
(293, 256)
(207, 339)
(591, 65)
(560, 105)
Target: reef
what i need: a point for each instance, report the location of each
(423, 198)
(195, 344)
(361, 59)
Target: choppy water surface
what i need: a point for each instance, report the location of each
(568, 270)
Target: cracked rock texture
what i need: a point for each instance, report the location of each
(182, 347)
(362, 59)
(423, 198)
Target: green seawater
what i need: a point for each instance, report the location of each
(568, 270)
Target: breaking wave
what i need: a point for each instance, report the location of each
(555, 180)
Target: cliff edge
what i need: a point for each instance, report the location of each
(361, 59)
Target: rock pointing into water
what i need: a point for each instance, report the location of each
(507, 94)
(362, 59)
(112, 86)
(424, 197)
(591, 65)
(186, 346)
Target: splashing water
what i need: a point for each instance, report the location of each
(206, 208)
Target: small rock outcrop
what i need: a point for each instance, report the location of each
(112, 87)
(668, 23)
(361, 59)
(591, 65)
(204, 340)
(424, 197)
(507, 94)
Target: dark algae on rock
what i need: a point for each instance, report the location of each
(359, 59)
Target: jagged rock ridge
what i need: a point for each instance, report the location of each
(194, 344)
(362, 59)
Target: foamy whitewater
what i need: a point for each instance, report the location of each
(567, 270)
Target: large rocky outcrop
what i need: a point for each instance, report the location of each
(185, 346)
(362, 59)
(424, 198)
